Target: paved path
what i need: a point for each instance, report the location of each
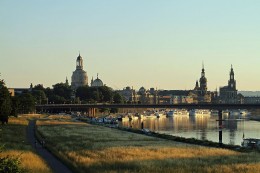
(56, 165)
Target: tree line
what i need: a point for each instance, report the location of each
(61, 93)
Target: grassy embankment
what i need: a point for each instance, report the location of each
(90, 148)
(13, 137)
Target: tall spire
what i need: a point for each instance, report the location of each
(67, 82)
(203, 70)
(97, 75)
(232, 71)
(91, 83)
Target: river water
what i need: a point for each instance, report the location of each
(201, 127)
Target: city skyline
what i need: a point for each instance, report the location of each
(131, 43)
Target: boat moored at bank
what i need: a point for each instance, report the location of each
(200, 112)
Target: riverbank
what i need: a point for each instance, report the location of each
(92, 148)
(255, 118)
(171, 137)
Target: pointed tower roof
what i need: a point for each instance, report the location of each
(203, 70)
(79, 57)
(67, 82)
(231, 71)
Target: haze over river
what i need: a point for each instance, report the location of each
(201, 127)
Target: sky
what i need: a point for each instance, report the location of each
(150, 43)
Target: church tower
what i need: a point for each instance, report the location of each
(196, 85)
(203, 81)
(228, 94)
(232, 81)
(79, 76)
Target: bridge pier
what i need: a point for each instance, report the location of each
(220, 126)
(92, 112)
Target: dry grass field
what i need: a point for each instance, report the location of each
(90, 148)
(13, 137)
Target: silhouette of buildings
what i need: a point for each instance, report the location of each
(200, 93)
(228, 94)
(142, 96)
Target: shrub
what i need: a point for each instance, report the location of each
(10, 164)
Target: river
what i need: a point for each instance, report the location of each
(201, 127)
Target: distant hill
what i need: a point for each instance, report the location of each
(250, 93)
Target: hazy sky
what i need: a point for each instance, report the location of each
(150, 43)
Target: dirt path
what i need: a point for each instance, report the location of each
(56, 165)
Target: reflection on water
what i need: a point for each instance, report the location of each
(204, 127)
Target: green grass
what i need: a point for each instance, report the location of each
(90, 148)
(13, 137)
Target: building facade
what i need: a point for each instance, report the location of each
(142, 96)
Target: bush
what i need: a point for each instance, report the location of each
(10, 164)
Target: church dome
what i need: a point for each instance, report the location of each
(97, 82)
(79, 78)
(142, 90)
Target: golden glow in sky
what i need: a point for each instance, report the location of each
(131, 43)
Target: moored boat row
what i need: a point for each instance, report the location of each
(180, 112)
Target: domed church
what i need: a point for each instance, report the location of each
(79, 76)
(97, 82)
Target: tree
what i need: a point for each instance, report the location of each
(118, 98)
(5, 102)
(106, 92)
(97, 96)
(39, 87)
(57, 99)
(15, 106)
(26, 103)
(39, 96)
(84, 93)
(62, 90)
